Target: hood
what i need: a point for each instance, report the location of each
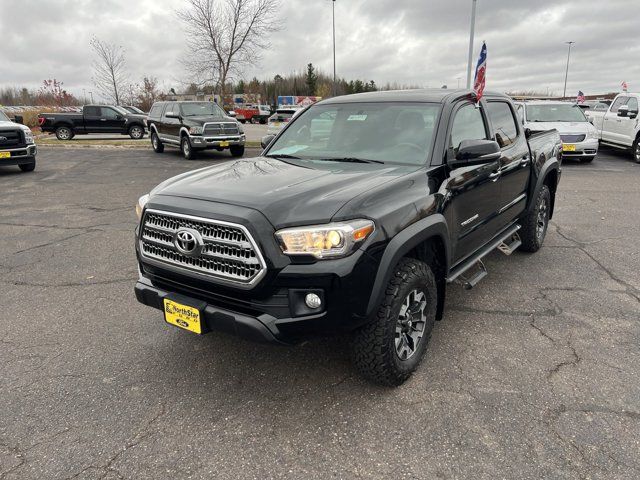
(5, 124)
(287, 193)
(136, 116)
(564, 128)
(202, 119)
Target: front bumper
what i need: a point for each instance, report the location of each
(218, 142)
(586, 148)
(20, 156)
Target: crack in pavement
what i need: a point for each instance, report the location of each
(21, 453)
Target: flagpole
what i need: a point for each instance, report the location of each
(471, 34)
(566, 73)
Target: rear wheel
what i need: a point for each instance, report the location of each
(536, 222)
(187, 150)
(28, 167)
(236, 150)
(157, 145)
(64, 133)
(636, 150)
(136, 132)
(389, 348)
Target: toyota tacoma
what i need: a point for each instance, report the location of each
(352, 220)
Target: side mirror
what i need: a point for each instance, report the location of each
(172, 115)
(232, 114)
(19, 119)
(633, 113)
(623, 111)
(527, 133)
(476, 152)
(266, 141)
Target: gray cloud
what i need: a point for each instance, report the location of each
(421, 42)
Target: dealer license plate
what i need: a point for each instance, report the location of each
(568, 148)
(183, 316)
(224, 144)
(5, 154)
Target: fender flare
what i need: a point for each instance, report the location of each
(184, 130)
(153, 127)
(409, 238)
(550, 165)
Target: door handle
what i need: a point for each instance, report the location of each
(524, 161)
(103, 119)
(495, 175)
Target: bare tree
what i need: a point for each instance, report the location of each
(225, 36)
(109, 74)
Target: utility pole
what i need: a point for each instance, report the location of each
(566, 73)
(333, 5)
(91, 95)
(471, 33)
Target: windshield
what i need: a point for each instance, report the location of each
(399, 133)
(122, 111)
(555, 113)
(207, 109)
(3, 117)
(134, 110)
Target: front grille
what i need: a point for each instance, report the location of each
(11, 138)
(227, 128)
(228, 251)
(572, 138)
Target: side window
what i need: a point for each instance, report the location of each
(633, 104)
(109, 113)
(92, 111)
(156, 110)
(618, 103)
(171, 108)
(468, 124)
(504, 124)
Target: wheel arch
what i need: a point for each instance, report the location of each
(548, 175)
(426, 240)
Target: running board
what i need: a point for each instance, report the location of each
(509, 238)
(511, 245)
(469, 282)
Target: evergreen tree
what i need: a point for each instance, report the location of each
(311, 80)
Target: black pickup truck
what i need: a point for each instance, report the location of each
(353, 219)
(93, 119)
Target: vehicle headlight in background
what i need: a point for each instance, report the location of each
(325, 241)
(142, 201)
(195, 130)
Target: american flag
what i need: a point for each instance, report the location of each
(624, 86)
(580, 98)
(481, 70)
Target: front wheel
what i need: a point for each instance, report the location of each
(64, 133)
(236, 150)
(536, 222)
(390, 347)
(636, 150)
(157, 145)
(136, 132)
(187, 149)
(28, 167)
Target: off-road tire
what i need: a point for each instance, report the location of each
(374, 345)
(635, 151)
(136, 132)
(187, 150)
(156, 144)
(532, 232)
(64, 133)
(27, 167)
(236, 150)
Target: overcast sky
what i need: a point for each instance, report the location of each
(422, 42)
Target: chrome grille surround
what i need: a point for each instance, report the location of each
(577, 138)
(220, 128)
(229, 253)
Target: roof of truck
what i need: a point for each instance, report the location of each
(434, 95)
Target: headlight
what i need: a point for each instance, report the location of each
(325, 241)
(28, 136)
(195, 130)
(142, 201)
(592, 134)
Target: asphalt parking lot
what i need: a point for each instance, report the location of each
(533, 374)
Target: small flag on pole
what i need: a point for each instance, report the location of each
(624, 86)
(481, 70)
(580, 98)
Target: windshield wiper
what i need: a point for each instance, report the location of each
(351, 159)
(284, 155)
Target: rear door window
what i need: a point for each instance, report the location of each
(92, 111)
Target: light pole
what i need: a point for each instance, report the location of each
(471, 33)
(333, 5)
(84, 96)
(566, 73)
(91, 95)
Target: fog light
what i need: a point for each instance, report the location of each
(312, 300)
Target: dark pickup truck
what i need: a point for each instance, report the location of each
(93, 119)
(353, 219)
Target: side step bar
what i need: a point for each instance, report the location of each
(507, 241)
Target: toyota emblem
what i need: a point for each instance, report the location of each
(3, 139)
(188, 241)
